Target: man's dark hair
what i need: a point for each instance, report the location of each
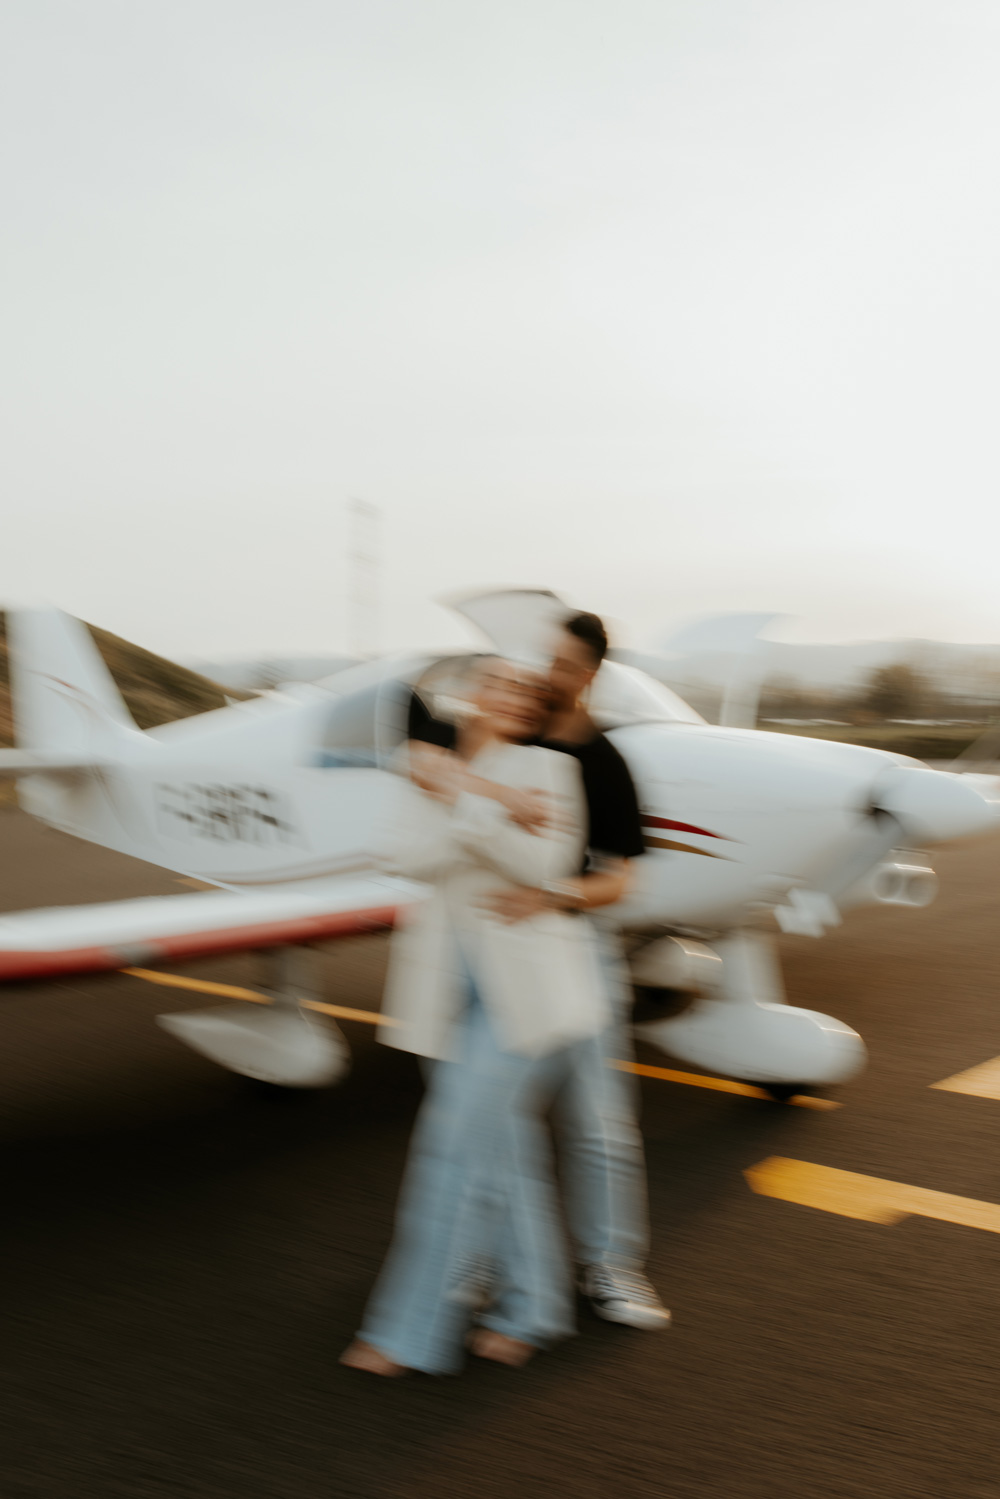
(590, 629)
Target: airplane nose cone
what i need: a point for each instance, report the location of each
(933, 805)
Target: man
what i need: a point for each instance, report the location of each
(596, 1115)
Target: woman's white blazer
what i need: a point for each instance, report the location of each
(539, 979)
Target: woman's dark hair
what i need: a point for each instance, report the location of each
(590, 629)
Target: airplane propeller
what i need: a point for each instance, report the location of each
(932, 806)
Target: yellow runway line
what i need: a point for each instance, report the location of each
(200, 986)
(232, 991)
(341, 1012)
(722, 1085)
(981, 1082)
(868, 1197)
(368, 1017)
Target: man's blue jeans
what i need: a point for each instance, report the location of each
(600, 1142)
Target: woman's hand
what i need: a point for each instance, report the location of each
(437, 771)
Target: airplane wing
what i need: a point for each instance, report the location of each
(95, 938)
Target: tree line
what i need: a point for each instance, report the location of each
(896, 693)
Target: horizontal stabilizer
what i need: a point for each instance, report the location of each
(20, 762)
(95, 938)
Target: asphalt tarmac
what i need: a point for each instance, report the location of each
(184, 1255)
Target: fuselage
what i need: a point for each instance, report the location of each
(295, 787)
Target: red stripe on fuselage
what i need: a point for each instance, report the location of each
(681, 827)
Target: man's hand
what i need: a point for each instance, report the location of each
(531, 810)
(444, 775)
(517, 904)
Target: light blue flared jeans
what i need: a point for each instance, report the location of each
(478, 1231)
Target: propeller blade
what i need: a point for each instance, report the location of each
(932, 806)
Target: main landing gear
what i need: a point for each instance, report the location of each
(276, 1041)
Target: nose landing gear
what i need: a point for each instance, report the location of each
(742, 1027)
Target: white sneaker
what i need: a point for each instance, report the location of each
(624, 1296)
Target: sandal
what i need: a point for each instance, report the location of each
(483, 1342)
(370, 1361)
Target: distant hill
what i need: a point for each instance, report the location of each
(156, 691)
(268, 671)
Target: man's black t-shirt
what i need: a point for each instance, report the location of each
(612, 806)
(615, 827)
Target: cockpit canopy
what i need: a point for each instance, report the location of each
(368, 720)
(623, 695)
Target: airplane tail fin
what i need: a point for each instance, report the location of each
(64, 698)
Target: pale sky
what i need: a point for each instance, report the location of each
(675, 306)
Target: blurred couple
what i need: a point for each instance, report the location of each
(522, 818)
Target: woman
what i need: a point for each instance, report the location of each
(497, 1006)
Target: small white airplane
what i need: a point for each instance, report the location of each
(279, 802)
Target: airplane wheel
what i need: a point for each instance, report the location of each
(781, 1092)
(276, 1093)
(659, 1004)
